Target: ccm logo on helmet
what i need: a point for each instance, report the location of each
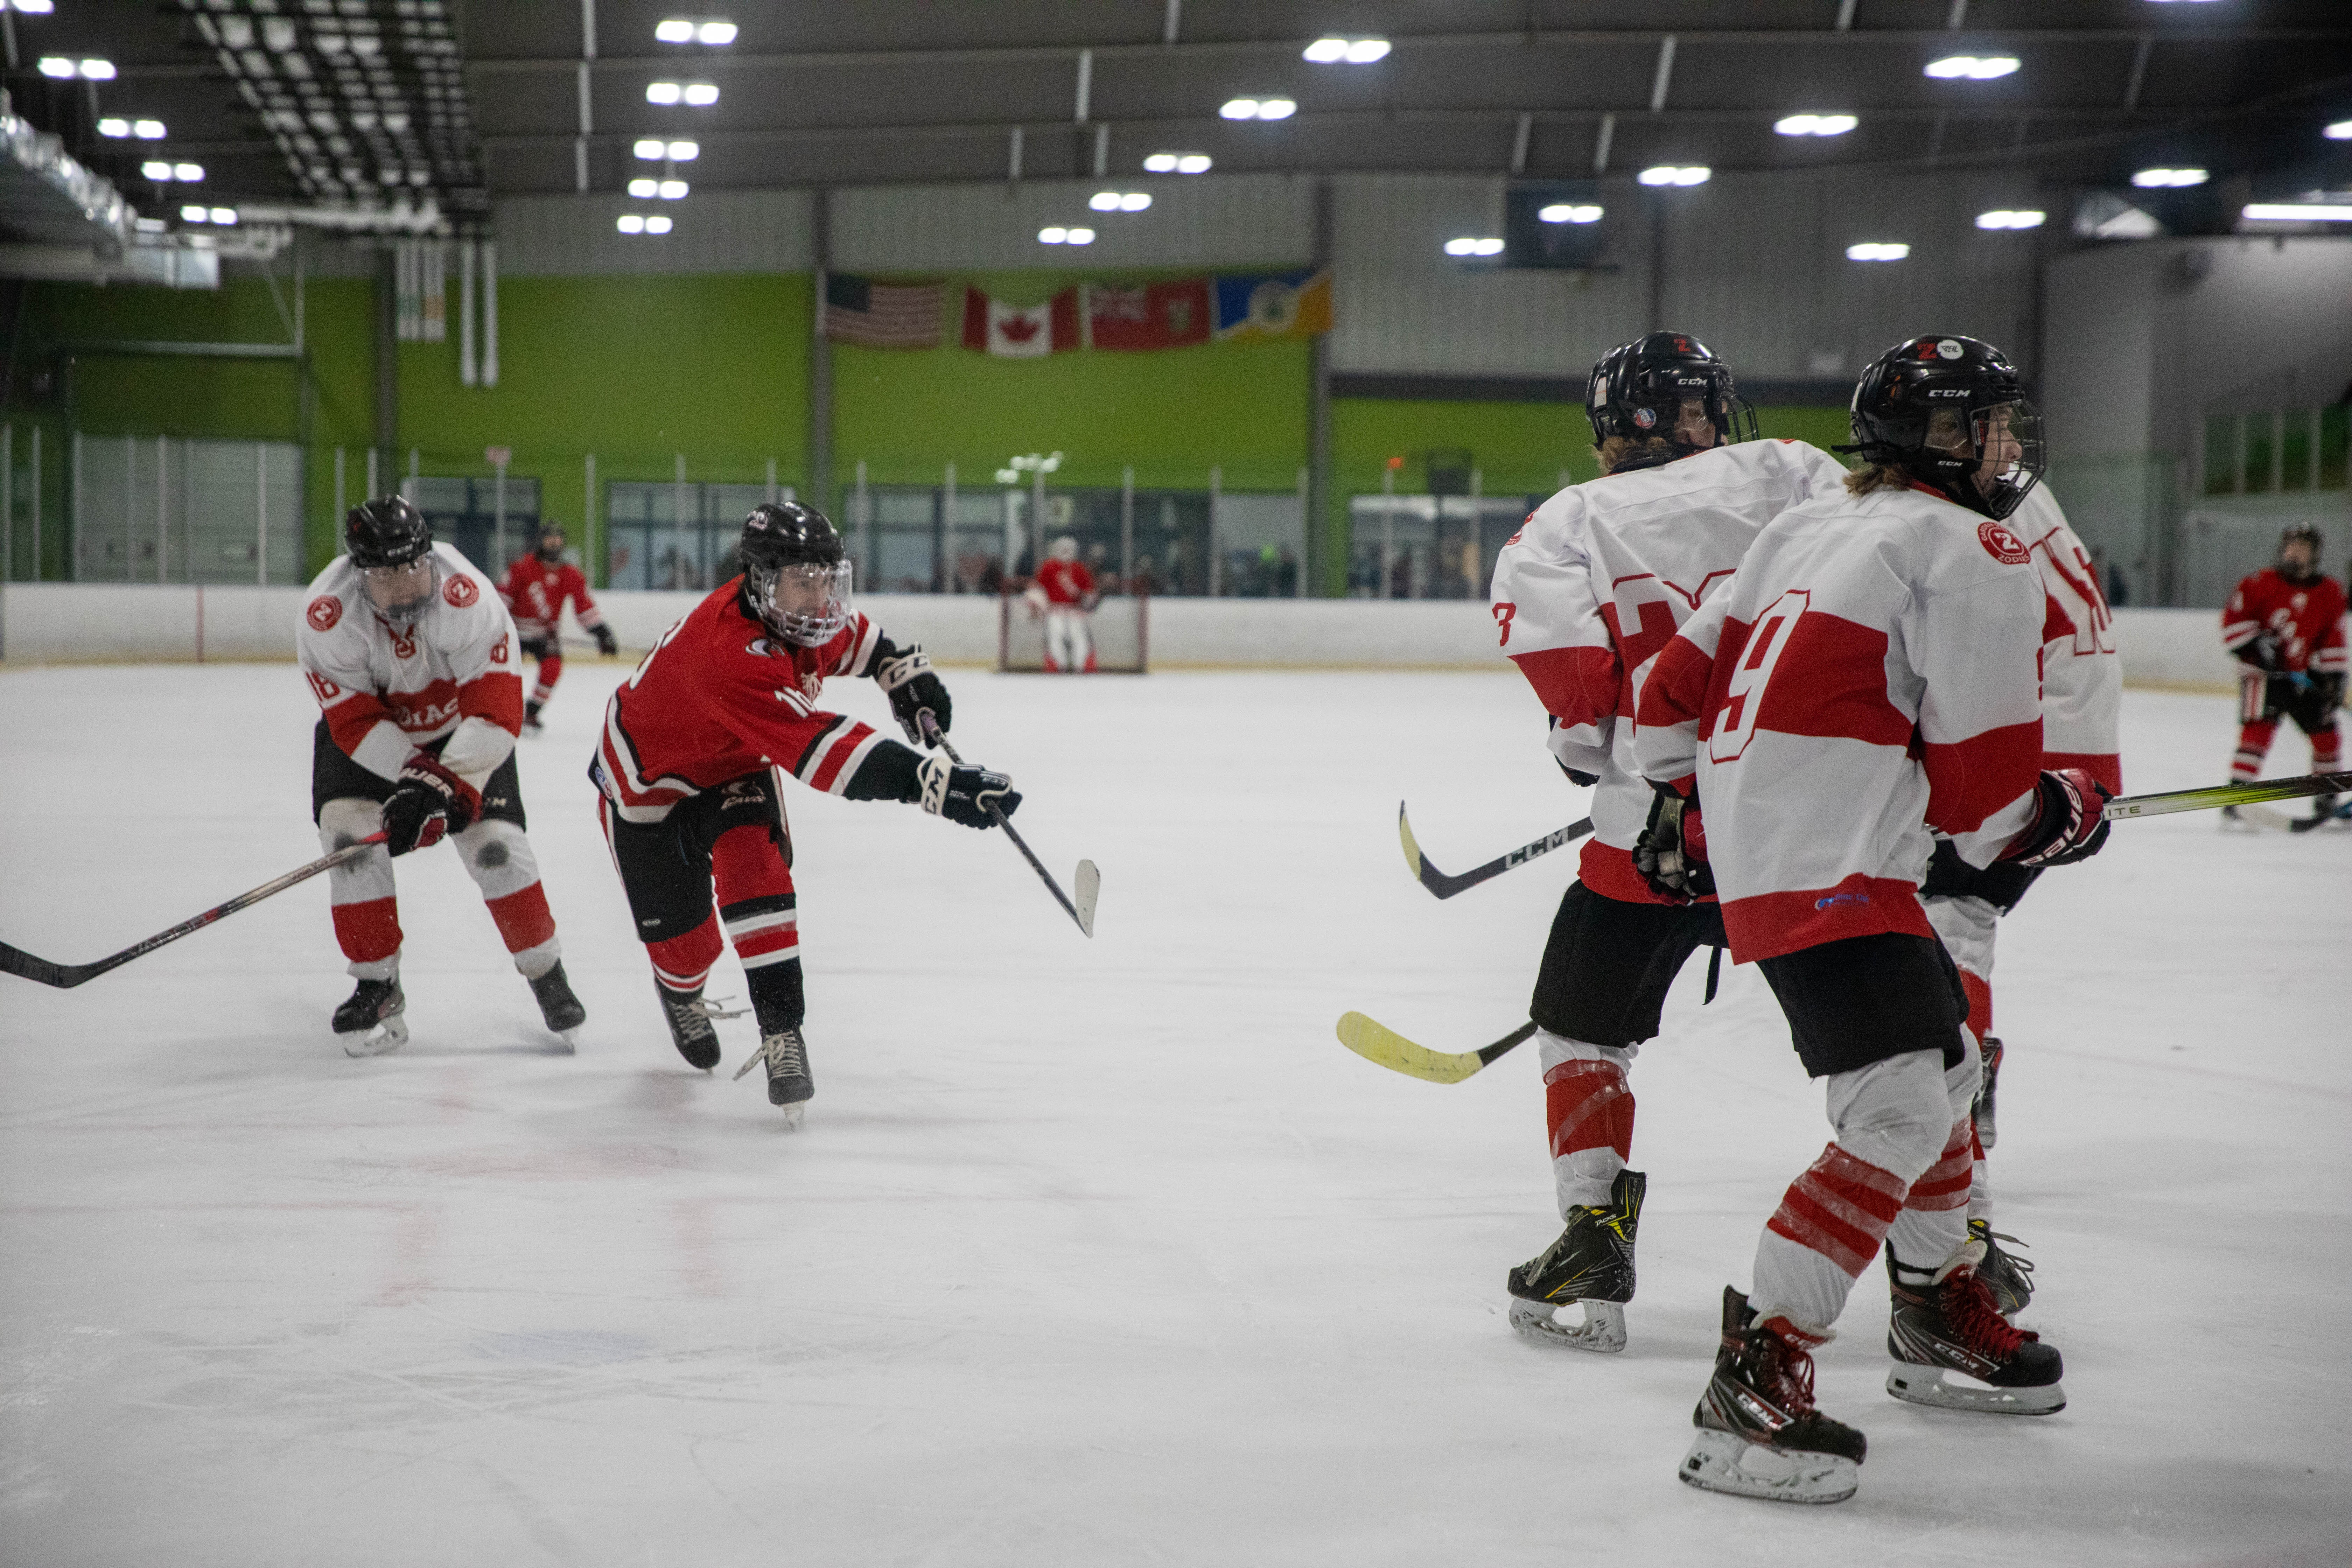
(1948, 392)
(460, 592)
(2001, 544)
(324, 612)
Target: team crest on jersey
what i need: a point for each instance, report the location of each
(758, 647)
(460, 592)
(324, 612)
(499, 651)
(813, 684)
(404, 645)
(2001, 544)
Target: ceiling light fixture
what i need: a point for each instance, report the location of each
(117, 128)
(1120, 201)
(187, 174)
(2296, 212)
(717, 33)
(684, 151)
(195, 214)
(1815, 125)
(1359, 51)
(1971, 68)
(1473, 245)
(1874, 251)
(33, 7)
(643, 190)
(657, 225)
(1259, 108)
(1671, 174)
(671, 190)
(2159, 179)
(2339, 132)
(1567, 212)
(147, 129)
(225, 215)
(650, 148)
(2001, 217)
(1177, 163)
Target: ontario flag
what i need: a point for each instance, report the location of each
(1148, 315)
(1017, 332)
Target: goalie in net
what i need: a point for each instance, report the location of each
(1060, 624)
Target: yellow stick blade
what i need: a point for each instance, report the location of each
(1377, 1043)
(1411, 856)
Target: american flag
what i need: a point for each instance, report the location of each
(883, 315)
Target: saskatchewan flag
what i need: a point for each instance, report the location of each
(1273, 305)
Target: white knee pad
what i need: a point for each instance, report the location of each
(1896, 1114)
(345, 822)
(497, 857)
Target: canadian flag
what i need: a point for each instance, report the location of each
(1017, 333)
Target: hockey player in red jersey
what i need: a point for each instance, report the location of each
(2284, 625)
(691, 765)
(1064, 591)
(413, 660)
(538, 586)
(1869, 681)
(1584, 595)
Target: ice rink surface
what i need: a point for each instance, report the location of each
(1090, 1253)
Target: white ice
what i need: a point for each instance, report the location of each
(1090, 1252)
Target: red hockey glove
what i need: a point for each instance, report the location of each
(428, 801)
(2070, 823)
(1671, 853)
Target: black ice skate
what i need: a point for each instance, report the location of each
(531, 724)
(1990, 1053)
(2008, 1277)
(1592, 1262)
(689, 1025)
(788, 1083)
(1759, 1433)
(559, 1006)
(370, 1021)
(1952, 1328)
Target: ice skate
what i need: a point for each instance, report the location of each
(531, 724)
(1982, 1110)
(370, 1022)
(1759, 1435)
(1592, 1262)
(559, 1006)
(689, 1019)
(1950, 1329)
(2008, 1277)
(788, 1083)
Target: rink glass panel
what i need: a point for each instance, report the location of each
(488, 528)
(1435, 547)
(672, 536)
(149, 508)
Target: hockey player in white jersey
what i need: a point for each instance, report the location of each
(414, 661)
(1869, 681)
(1584, 596)
(2082, 717)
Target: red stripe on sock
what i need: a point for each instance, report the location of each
(685, 962)
(1944, 1186)
(759, 943)
(523, 918)
(1588, 1106)
(1840, 1208)
(370, 932)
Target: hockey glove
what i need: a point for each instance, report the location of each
(428, 801)
(906, 677)
(1579, 779)
(965, 795)
(1671, 853)
(606, 643)
(2069, 824)
(2261, 650)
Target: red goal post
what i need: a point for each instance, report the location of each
(1120, 625)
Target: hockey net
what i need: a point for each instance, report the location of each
(1119, 626)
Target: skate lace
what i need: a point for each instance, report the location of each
(2022, 1266)
(1970, 1311)
(786, 1057)
(1790, 1371)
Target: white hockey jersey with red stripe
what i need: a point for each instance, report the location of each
(1871, 679)
(1601, 576)
(719, 698)
(385, 693)
(2082, 674)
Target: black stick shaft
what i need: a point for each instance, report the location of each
(931, 732)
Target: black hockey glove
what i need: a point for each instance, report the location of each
(2070, 823)
(965, 793)
(606, 643)
(907, 679)
(2329, 689)
(2261, 650)
(1671, 853)
(428, 801)
(1580, 780)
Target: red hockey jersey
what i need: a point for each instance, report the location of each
(385, 693)
(719, 698)
(1067, 584)
(1590, 588)
(535, 593)
(1871, 679)
(2307, 619)
(2082, 674)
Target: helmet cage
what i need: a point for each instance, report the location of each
(806, 603)
(401, 592)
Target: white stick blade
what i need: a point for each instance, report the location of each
(1088, 885)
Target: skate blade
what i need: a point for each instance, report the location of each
(795, 1115)
(1725, 1462)
(2258, 818)
(1937, 1389)
(571, 1038)
(1601, 1332)
(388, 1036)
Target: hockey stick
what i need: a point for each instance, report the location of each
(2321, 819)
(1378, 1043)
(1445, 887)
(2215, 795)
(1088, 881)
(16, 961)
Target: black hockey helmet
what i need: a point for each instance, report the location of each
(551, 528)
(795, 572)
(2300, 533)
(1951, 412)
(1638, 389)
(386, 532)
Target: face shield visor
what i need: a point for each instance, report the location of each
(1697, 409)
(400, 594)
(2010, 454)
(805, 602)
